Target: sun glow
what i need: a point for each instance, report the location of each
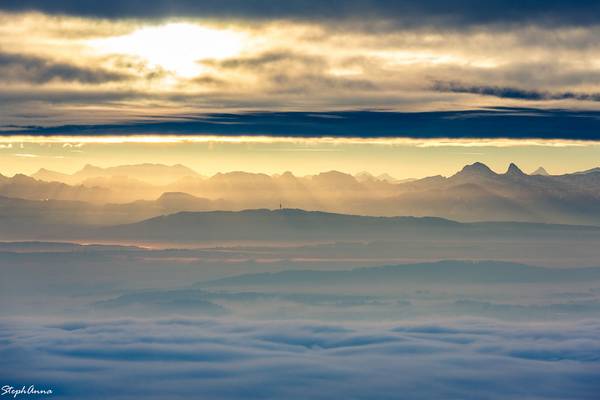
(175, 47)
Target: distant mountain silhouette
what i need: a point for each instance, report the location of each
(25, 187)
(63, 220)
(475, 171)
(294, 225)
(443, 273)
(25, 215)
(157, 174)
(47, 175)
(514, 171)
(274, 225)
(478, 193)
(540, 171)
(178, 201)
(475, 193)
(589, 171)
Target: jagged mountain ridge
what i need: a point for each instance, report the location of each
(474, 193)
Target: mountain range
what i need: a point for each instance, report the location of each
(156, 174)
(288, 226)
(131, 193)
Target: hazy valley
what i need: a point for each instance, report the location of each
(113, 272)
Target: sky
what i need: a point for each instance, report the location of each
(401, 158)
(411, 88)
(356, 70)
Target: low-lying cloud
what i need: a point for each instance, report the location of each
(207, 358)
(491, 123)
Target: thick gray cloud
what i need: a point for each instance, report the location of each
(217, 359)
(297, 55)
(23, 68)
(512, 92)
(268, 59)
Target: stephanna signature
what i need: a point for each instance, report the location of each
(31, 390)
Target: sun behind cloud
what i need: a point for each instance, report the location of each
(175, 47)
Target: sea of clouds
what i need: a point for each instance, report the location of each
(217, 358)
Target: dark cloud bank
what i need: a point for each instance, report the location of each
(402, 13)
(513, 123)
